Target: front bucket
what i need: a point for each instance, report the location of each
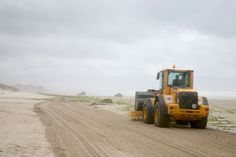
(136, 115)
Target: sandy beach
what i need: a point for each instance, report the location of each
(21, 132)
(35, 125)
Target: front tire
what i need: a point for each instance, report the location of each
(199, 124)
(161, 119)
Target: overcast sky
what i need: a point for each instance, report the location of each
(110, 46)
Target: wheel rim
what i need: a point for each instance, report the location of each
(156, 115)
(144, 113)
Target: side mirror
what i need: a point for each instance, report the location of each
(158, 76)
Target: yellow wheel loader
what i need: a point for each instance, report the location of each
(176, 100)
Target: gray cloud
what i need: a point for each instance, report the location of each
(109, 46)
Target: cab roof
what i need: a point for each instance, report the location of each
(180, 70)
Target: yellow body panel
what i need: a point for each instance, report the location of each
(187, 114)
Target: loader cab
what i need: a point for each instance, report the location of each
(167, 77)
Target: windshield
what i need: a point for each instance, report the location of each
(179, 79)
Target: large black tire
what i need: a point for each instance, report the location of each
(199, 124)
(161, 118)
(148, 113)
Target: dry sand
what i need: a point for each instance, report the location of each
(76, 129)
(21, 132)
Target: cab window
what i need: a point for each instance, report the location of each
(179, 79)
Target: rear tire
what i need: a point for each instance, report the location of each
(199, 124)
(161, 119)
(147, 114)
